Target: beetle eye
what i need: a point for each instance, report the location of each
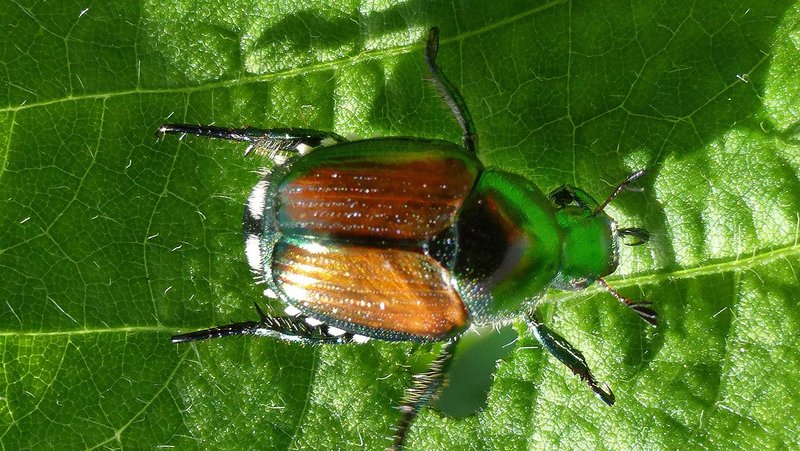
(566, 195)
(562, 196)
(640, 235)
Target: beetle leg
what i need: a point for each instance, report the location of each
(560, 348)
(290, 328)
(273, 143)
(642, 308)
(452, 97)
(425, 388)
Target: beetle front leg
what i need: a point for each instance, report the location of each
(290, 328)
(425, 388)
(560, 348)
(275, 143)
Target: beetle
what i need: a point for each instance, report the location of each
(408, 239)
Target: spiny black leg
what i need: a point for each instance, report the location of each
(425, 388)
(290, 328)
(569, 356)
(265, 141)
(450, 93)
(243, 328)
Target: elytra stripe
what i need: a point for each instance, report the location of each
(384, 291)
(405, 199)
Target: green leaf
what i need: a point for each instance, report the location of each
(113, 239)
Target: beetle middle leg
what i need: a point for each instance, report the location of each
(275, 143)
(560, 348)
(425, 388)
(289, 328)
(452, 97)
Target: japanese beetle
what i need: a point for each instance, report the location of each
(412, 239)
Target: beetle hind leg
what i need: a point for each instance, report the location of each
(425, 389)
(276, 144)
(289, 328)
(560, 348)
(452, 97)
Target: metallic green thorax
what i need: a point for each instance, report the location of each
(514, 243)
(509, 246)
(589, 249)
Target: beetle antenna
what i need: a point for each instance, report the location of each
(640, 307)
(621, 187)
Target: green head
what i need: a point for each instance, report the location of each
(590, 248)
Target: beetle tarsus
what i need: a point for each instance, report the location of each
(209, 131)
(644, 312)
(452, 97)
(276, 143)
(289, 328)
(640, 307)
(244, 328)
(425, 388)
(605, 394)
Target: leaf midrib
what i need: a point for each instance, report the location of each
(736, 264)
(730, 265)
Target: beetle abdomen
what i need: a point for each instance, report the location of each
(380, 189)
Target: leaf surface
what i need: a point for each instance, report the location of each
(112, 239)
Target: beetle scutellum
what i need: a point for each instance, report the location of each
(413, 239)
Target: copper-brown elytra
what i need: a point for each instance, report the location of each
(408, 239)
